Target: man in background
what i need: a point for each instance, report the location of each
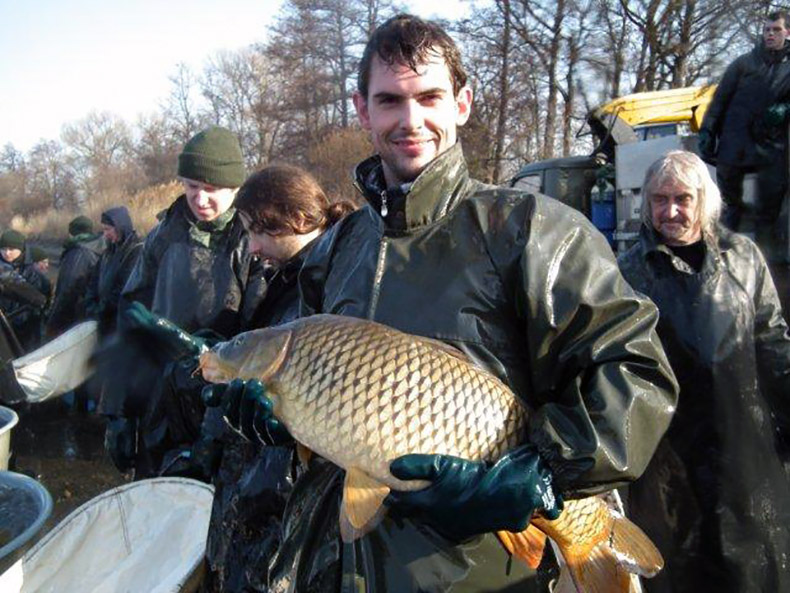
(114, 267)
(81, 253)
(745, 130)
(714, 497)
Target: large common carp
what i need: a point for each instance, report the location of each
(361, 394)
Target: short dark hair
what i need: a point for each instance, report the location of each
(779, 15)
(409, 40)
(284, 200)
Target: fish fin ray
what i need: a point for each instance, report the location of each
(527, 545)
(634, 550)
(349, 533)
(363, 497)
(608, 567)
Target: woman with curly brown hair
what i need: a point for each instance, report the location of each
(285, 211)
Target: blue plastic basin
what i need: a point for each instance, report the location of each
(24, 506)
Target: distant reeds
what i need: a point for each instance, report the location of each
(52, 224)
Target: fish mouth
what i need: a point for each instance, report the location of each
(214, 369)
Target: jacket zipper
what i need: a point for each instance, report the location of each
(374, 296)
(384, 209)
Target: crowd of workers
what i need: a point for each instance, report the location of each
(672, 363)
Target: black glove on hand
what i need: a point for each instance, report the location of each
(248, 410)
(467, 498)
(776, 114)
(165, 339)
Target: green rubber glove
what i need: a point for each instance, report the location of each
(166, 339)
(706, 142)
(776, 114)
(467, 498)
(248, 411)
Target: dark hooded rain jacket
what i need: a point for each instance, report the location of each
(530, 291)
(77, 265)
(715, 498)
(113, 271)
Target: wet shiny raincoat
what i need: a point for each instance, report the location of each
(253, 481)
(715, 499)
(197, 275)
(77, 264)
(530, 291)
(113, 270)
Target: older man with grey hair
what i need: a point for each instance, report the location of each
(714, 497)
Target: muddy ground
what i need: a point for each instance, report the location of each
(64, 450)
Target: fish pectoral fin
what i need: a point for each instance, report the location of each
(527, 545)
(303, 453)
(634, 550)
(608, 566)
(363, 498)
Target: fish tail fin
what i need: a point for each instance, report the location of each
(526, 545)
(609, 565)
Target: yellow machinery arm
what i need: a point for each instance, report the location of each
(671, 106)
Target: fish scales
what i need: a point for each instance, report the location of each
(363, 399)
(362, 394)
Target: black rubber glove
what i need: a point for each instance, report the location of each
(165, 339)
(467, 498)
(706, 142)
(248, 410)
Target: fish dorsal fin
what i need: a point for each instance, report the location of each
(363, 499)
(446, 348)
(528, 545)
(303, 453)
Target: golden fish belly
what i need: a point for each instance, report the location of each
(361, 399)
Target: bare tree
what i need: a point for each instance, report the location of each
(181, 108)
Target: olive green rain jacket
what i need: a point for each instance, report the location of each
(529, 290)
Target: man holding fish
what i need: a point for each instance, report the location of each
(524, 288)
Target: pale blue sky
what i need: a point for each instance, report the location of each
(61, 59)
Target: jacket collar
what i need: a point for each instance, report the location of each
(653, 248)
(430, 197)
(206, 233)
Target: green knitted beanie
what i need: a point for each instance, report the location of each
(12, 239)
(80, 226)
(213, 156)
(37, 254)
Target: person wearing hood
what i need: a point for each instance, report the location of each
(114, 268)
(745, 130)
(81, 253)
(714, 497)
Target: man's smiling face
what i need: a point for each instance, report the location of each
(412, 116)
